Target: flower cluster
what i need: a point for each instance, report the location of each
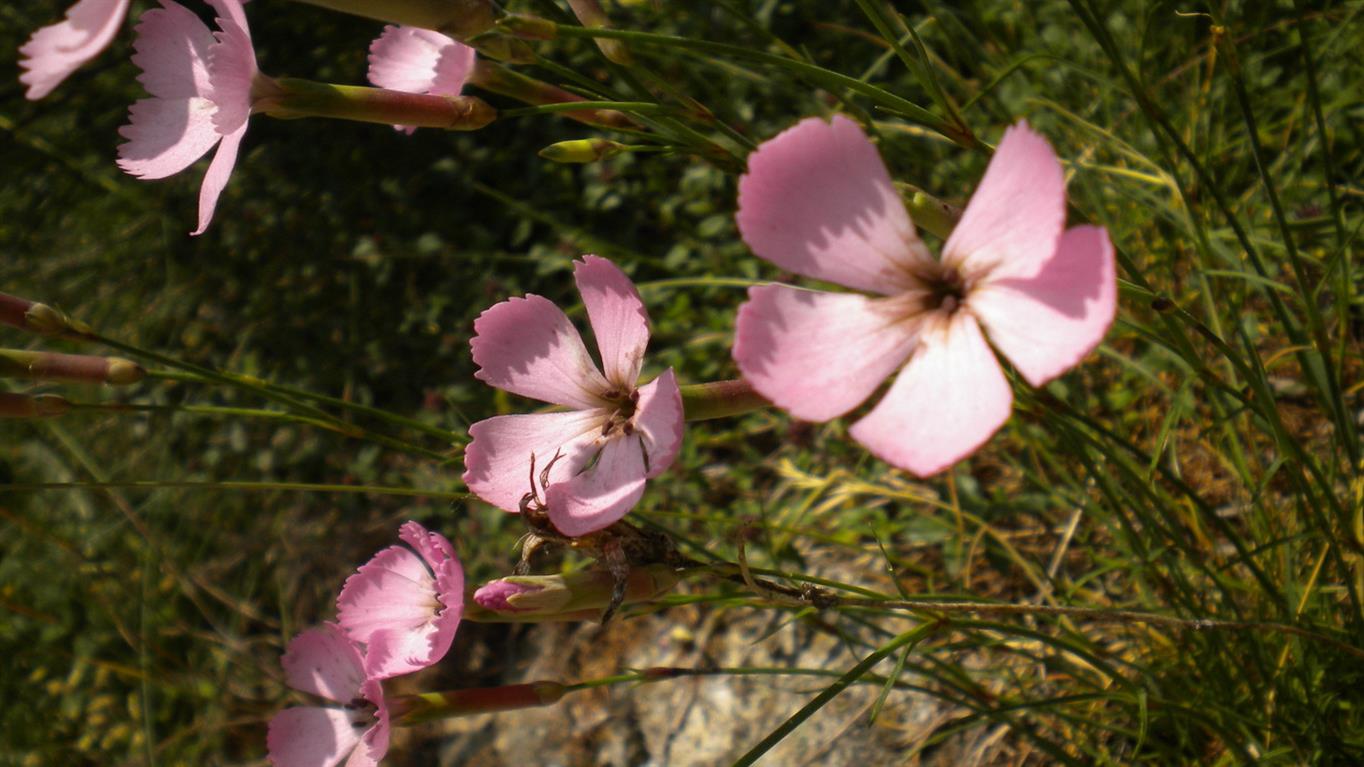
(396, 615)
(1012, 282)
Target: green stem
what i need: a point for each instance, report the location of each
(719, 399)
(458, 18)
(409, 492)
(494, 77)
(820, 75)
(852, 675)
(444, 435)
(620, 106)
(409, 710)
(292, 98)
(257, 386)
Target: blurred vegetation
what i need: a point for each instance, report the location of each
(1190, 468)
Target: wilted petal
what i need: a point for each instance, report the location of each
(818, 201)
(1048, 322)
(53, 52)
(324, 662)
(498, 460)
(215, 179)
(660, 422)
(1016, 214)
(604, 493)
(819, 355)
(311, 737)
(527, 346)
(618, 318)
(946, 403)
(232, 67)
(165, 136)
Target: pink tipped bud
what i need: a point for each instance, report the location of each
(576, 596)
(25, 406)
(524, 594)
(72, 368)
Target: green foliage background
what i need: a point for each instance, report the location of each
(144, 627)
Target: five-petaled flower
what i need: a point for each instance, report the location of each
(404, 606)
(55, 51)
(818, 201)
(616, 434)
(201, 86)
(415, 60)
(322, 661)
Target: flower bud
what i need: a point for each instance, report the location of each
(38, 318)
(582, 150)
(71, 368)
(576, 596)
(26, 406)
(529, 27)
(590, 13)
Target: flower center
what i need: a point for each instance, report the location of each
(622, 421)
(360, 713)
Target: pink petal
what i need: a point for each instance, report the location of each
(618, 319)
(55, 51)
(498, 460)
(440, 556)
(165, 136)
(407, 616)
(393, 590)
(1047, 323)
(310, 737)
(819, 355)
(946, 403)
(324, 662)
(215, 179)
(601, 495)
(527, 346)
(232, 67)
(171, 48)
(406, 58)
(659, 421)
(1016, 214)
(394, 652)
(818, 201)
(419, 61)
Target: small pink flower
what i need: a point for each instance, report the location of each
(818, 201)
(201, 95)
(323, 662)
(415, 60)
(616, 435)
(404, 606)
(57, 50)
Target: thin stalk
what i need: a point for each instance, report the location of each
(818, 74)
(305, 487)
(847, 679)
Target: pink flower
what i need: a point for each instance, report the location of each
(616, 434)
(323, 662)
(404, 606)
(57, 50)
(415, 60)
(201, 95)
(818, 201)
